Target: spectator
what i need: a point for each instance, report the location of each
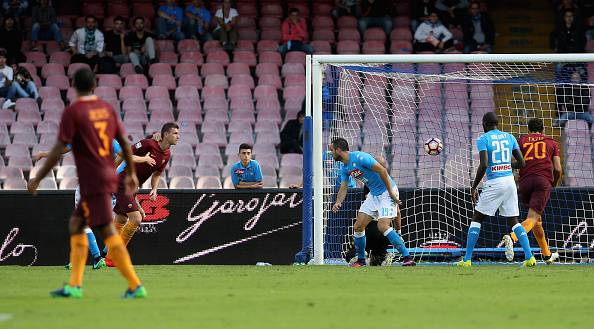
(564, 6)
(573, 99)
(115, 44)
(479, 32)
(169, 21)
(7, 88)
(11, 39)
(226, 20)
(295, 34)
(590, 30)
(87, 43)
(45, 25)
(292, 135)
(246, 174)
(432, 36)
(374, 14)
(15, 8)
(197, 21)
(421, 11)
(24, 84)
(140, 46)
(451, 12)
(569, 37)
(346, 8)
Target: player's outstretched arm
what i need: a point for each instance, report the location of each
(520, 162)
(480, 173)
(53, 157)
(42, 154)
(340, 196)
(557, 170)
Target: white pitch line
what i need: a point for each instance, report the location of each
(5, 316)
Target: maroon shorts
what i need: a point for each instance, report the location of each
(535, 192)
(95, 209)
(125, 203)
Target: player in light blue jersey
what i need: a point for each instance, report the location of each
(381, 203)
(499, 190)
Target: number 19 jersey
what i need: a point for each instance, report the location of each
(499, 145)
(90, 125)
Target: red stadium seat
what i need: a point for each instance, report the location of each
(349, 34)
(270, 80)
(168, 57)
(190, 80)
(188, 45)
(243, 79)
(245, 45)
(323, 22)
(401, 21)
(155, 91)
(322, 8)
(374, 47)
(267, 45)
(247, 33)
(134, 105)
(266, 68)
(292, 68)
(295, 57)
(374, 34)
(131, 92)
(239, 91)
(265, 91)
(345, 22)
(106, 92)
(212, 45)
(270, 22)
(242, 104)
(211, 68)
(52, 69)
(126, 69)
(26, 105)
(272, 9)
(59, 81)
(191, 57)
(324, 35)
(348, 47)
(137, 80)
(247, 9)
(237, 68)
(246, 57)
(187, 92)
(271, 34)
(60, 57)
(72, 68)
(181, 183)
(271, 57)
(216, 80)
(36, 57)
(321, 47)
(185, 68)
(165, 45)
(49, 92)
(294, 80)
(246, 21)
(144, 10)
(401, 47)
(208, 182)
(401, 33)
(110, 80)
(159, 68)
(220, 57)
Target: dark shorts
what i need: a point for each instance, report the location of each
(535, 192)
(95, 209)
(125, 203)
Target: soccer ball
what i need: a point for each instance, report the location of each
(433, 146)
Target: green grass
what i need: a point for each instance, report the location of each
(306, 297)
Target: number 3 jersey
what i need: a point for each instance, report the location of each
(538, 151)
(90, 125)
(499, 146)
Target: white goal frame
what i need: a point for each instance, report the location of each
(314, 67)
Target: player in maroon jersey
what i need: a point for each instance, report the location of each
(542, 172)
(127, 209)
(89, 125)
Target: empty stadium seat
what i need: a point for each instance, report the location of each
(209, 182)
(181, 183)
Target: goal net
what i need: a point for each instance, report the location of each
(390, 109)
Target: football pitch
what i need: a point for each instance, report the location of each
(306, 297)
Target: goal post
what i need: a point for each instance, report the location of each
(388, 105)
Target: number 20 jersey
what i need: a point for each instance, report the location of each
(90, 125)
(538, 151)
(499, 146)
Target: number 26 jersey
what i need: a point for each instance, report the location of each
(499, 146)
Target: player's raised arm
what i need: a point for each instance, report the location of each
(53, 156)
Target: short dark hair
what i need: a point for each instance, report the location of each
(90, 16)
(490, 119)
(293, 10)
(301, 114)
(535, 125)
(244, 146)
(167, 127)
(119, 18)
(475, 2)
(3, 52)
(84, 80)
(340, 143)
(138, 18)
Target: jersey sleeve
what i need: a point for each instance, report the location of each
(366, 160)
(67, 127)
(556, 151)
(343, 175)
(141, 148)
(514, 142)
(481, 143)
(258, 173)
(234, 176)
